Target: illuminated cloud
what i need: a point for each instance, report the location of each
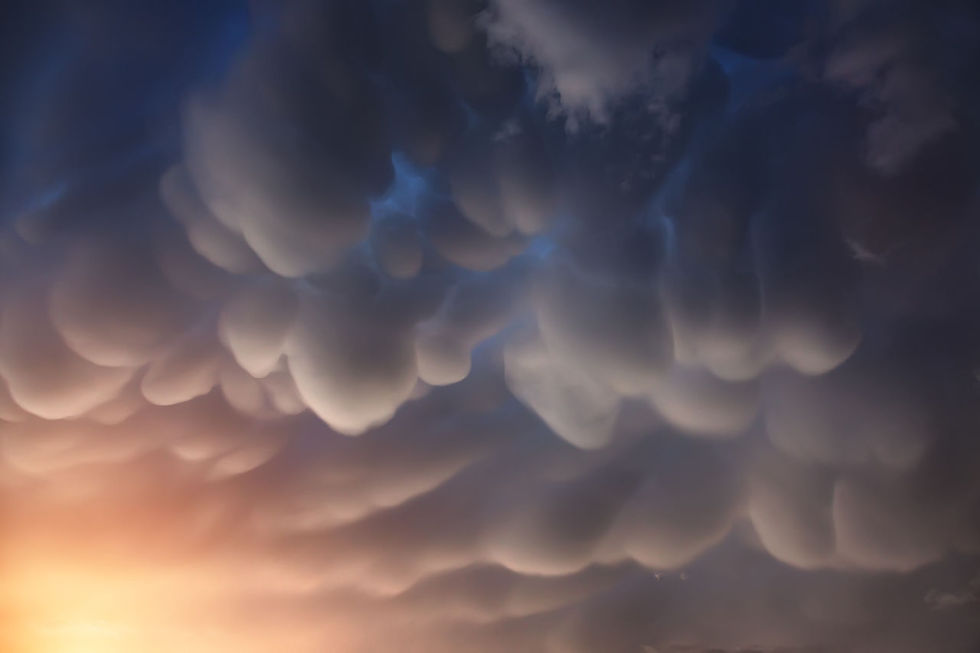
(490, 326)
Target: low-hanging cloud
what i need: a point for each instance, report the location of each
(486, 325)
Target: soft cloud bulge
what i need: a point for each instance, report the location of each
(496, 326)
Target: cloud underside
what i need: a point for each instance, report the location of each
(495, 326)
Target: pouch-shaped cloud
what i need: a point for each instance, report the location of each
(44, 376)
(656, 323)
(352, 366)
(561, 532)
(113, 306)
(570, 401)
(255, 322)
(397, 245)
(844, 419)
(296, 207)
(613, 328)
(686, 505)
(475, 309)
(187, 370)
(209, 237)
(464, 243)
(699, 403)
(504, 182)
(790, 506)
(908, 532)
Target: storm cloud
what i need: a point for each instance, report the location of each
(544, 326)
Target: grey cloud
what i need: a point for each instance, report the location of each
(351, 367)
(891, 60)
(655, 325)
(44, 376)
(590, 57)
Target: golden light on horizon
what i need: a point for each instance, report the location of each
(61, 594)
(59, 606)
(75, 606)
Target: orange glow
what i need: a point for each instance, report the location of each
(60, 606)
(64, 609)
(61, 594)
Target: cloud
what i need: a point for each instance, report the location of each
(491, 326)
(590, 57)
(255, 323)
(43, 375)
(571, 402)
(352, 366)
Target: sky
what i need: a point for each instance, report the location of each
(490, 326)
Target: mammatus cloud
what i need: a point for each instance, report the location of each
(465, 325)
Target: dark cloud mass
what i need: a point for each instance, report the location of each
(490, 326)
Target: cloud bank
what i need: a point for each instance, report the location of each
(464, 325)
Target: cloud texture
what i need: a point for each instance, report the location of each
(491, 326)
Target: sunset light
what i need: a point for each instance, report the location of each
(489, 326)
